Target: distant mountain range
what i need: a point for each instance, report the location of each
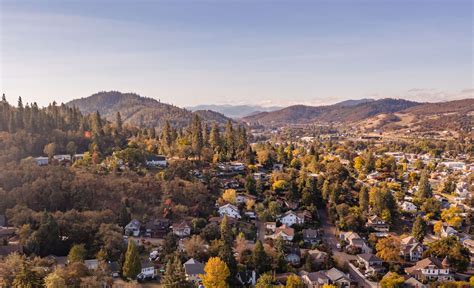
(235, 111)
(368, 113)
(141, 111)
(352, 110)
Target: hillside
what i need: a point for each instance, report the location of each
(140, 111)
(235, 111)
(455, 115)
(300, 114)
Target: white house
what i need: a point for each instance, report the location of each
(133, 228)
(431, 269)
(42, 161)
(181, 229)
(229, 210)
(156, 161)
(447, 231)
(411, 249)
(290, 218)
(148, 270)
(286, 233)
(408, 207)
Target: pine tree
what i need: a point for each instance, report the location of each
(27, 278)
(215, 138)
(419, 229)
(226, 232)
(229, 141)
(166, 139)
(364, 199)
(174, 275)
(4, 98)
(260, 258)
(132, 265)
(197, 139)
(118, 122)
(424, 187)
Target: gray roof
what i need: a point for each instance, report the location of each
(335, 274)
(193, 267)
(369, 257)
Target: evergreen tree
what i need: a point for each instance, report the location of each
(226, 232)
(419, 229)
(124, 216)
(174, 276)
(424, 187)
(166, 139)
(197, 138)
(364, 199)
(260, 258)
(26, 278)
(229, 141)
(118, 122)
(250, 185)
(215, 138)
(131, 266)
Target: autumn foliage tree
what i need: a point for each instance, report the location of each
(132, 265)
(216, 273)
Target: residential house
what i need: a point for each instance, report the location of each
(378, 224)
(114, 269)
(411, 249)
(290, 218)
(469, 244)
(355, 241)
(7, 233)
(286, 233)
(372, 263)
(258, 176)
(413, 283)
(192, 269)
(156, 161)
(408, 207)
(277, 167)
(147, 271)
(315, 279)
(42, 161)
(338, 278)
(182, 229)
(62, 158)
(247, 277)
(430, 269)
(293, 256)
(270, 226)
(133, 228)
(157, 228)
(229, 210)
(311, 236)
(318, 257)
(447, 231)
(92, 264)
(242, 198)
(6, 250)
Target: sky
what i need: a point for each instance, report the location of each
(237, 52)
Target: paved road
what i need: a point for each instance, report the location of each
(331, 239)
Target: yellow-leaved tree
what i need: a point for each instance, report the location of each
(230, 196)
(217, 273)
(451, 216)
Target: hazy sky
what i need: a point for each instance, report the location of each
(258, 52)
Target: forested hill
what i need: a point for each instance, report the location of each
(334, 113)
(140, 111)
